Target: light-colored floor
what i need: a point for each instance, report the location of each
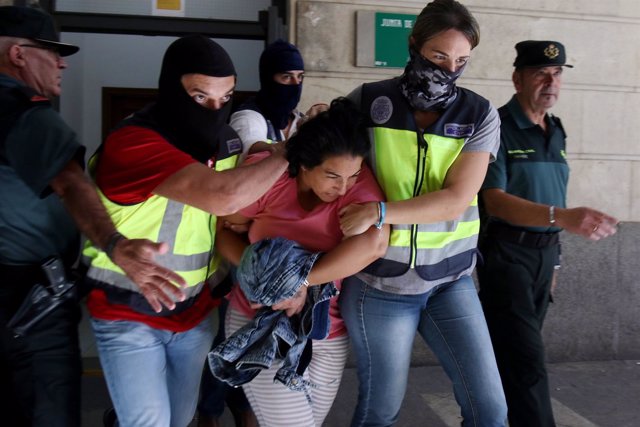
(585, 394)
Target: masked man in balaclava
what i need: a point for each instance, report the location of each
(164, 174)
(271, 116)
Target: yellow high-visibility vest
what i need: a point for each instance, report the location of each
(407, 163)
(189, 232)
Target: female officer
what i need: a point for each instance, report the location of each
(431, 144)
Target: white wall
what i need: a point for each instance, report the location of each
(108, 60)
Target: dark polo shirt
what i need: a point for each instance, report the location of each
(530, 164)
(34, 223)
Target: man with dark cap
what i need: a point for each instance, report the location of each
(523, 201)
(45, 199)
(165, 173)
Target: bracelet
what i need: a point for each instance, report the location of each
(306, 283)
(112, 242)
(382, 212)
(552, 214)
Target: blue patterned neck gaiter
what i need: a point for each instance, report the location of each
(426, 86)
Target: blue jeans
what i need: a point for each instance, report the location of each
(449, 318)
(153, 375)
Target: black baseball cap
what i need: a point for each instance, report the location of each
(34, 24)
(540, 53)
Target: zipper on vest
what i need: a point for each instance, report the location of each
(419, 180)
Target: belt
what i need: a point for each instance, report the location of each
(21, 273)
(529, 239)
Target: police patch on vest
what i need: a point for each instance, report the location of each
(458, 130)
(234, 145)
(381, 110)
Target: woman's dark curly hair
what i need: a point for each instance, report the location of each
(338, 131)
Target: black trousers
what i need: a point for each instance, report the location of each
(515, 283)
(39, 373)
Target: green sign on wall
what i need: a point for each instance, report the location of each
(391, 39)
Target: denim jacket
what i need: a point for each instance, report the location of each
(271, 270)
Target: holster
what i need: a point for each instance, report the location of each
(43, 298)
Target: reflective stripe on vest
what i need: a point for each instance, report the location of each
(188, 232)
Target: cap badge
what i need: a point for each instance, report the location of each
(551, 51)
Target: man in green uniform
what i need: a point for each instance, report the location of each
(45, 199)
(524, 208)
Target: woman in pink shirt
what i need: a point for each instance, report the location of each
(326, 173)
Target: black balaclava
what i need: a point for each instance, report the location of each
(277, 101)
(426, 86)
(191, 127)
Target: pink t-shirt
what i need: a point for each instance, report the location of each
(278, 214)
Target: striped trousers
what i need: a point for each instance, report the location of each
(277, 406)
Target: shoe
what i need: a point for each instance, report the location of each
(109, 418)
